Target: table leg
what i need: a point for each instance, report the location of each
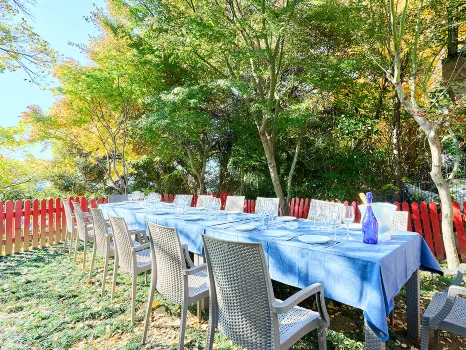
(202, 305)
(372, 341)
(413, 313)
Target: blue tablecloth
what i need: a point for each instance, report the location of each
(364, 276)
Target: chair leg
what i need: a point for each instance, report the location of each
(115, 269)
(425, 338)
(322, 337)
(105, 274)
(145, 277)
(64, 240)
(436, 339)
(184, 316)
(92, 259)
(133, 298)
(76, 247)
(84, 256)
(149, 306)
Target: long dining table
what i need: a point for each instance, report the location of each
(364, 276)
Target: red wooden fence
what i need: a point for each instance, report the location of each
(25, 225)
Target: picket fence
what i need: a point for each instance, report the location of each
(30, 224)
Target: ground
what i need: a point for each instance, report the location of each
(48, 302)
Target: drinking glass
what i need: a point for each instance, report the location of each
(347, 219)
(334, 220)
(314, 215)
(263, 215)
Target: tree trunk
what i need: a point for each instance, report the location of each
(272, 165)
(293, 167)
(224, 175)
(397, 145)
(443, 187)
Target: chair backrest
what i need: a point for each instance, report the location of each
(166, 248)
(80, 221)
(123, 243)
(200, 201)
(187, 197)
(242, 297)
(235, 203)
(400, 221)
(100, 230)
(323, 206)
(260, 202)
(68, 215)
(115, 198)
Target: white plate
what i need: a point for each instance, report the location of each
(354, 227)
(286, 218)
(192, 218)
(232, 212)
(314, 239)
(159, 212)
(245, 227)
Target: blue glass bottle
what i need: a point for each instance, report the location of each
(370, 227)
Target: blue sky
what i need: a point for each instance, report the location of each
(59, 22)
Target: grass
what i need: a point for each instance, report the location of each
(48, 302)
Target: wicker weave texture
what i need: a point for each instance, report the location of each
(235, 203)
(400, 221)
(102, 242)
(243, 294)
(169, 262)
(68, 215)
(123, 243)
(260, 203)
(83, 233)
(323, 206)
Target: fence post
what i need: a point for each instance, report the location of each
(459, 225)
(18, 229)
(2, 216)
(438, 241)
(35, 223)
(405, 207)
(43, 222)
(58, 226)
(426, 226)
(8, 227)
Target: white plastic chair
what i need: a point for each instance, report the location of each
(200, 200)
(324, 206)
(446, 312)
(260, 202)
(243, 306)
(400, 221)
(115, 198)
(171, 276)
(131, 258)
(84, 230)
(235, 203)
(186, 197)
(103, 243)
(71, 228)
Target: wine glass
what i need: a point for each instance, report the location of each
(263, 213)
(348, 218)
(334, 220)
(314, 211)
(271, 212)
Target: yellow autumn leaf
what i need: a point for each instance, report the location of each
(155, 304)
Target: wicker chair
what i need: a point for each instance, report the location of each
(243, 306)
(171, 276)
(84, 230)
(103, 242)
(187, 197)
(71, 228)
(235, 203)
(200, 200)
(115, 198)
(260, 202)
(400, 221)
(322, 206)
(131, 257)
(446, 312)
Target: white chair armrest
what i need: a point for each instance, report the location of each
(135, 232)
(187, 257)
(195, 269)
(455, 291)
(281, 307)
(140, 247)
(462, 268)
(459, 275)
